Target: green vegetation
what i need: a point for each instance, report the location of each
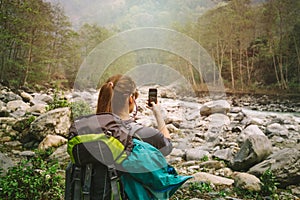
(269, 185)
(24, 124)
(208, 191)
(200, 186)
(255, 46)
(205, 158)
(80, 108)
(58, 102)
(33, 179)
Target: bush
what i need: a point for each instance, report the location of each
(80, 108)
(200, 186)
(269, 184)
(58, 102)
(32, 179)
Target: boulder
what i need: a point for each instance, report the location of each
(224, 154)
(26, 97)
(7, 121)
(196, 154)
(54, 122)
(246, 181)
(250, 130)
(177, 153)
(60, 154)
(3, 110)
(216, 122)
(42, 98)
(284, 165)
(52, 141)
(255, 149)
(277, 129)
(210, 178)
(167, 93)
(27, 153)
(218, 106)
(212, 164)
(37, 108)
(17, 105)
(5, 163)
(9, 96)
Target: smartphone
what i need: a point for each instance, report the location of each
(152, 96)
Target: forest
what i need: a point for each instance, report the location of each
(255, 46)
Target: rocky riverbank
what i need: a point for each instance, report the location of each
(228, 142)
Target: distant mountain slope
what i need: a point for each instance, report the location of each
(125, 14)
(134, 13)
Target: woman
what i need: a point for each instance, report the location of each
(117, 95)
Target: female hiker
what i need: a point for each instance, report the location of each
(111, 140)
(118, 95)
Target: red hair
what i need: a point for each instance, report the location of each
(114, 92)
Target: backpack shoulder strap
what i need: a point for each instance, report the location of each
(114, 183)
(68, 181)
(133, 128)
(77, 183)
(87, 182)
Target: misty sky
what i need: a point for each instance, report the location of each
(126, 14)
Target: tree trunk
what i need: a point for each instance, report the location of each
(29, 58)
(241, 69)
(275, 69)
(248, 69)
(231, 70)
(298, 58)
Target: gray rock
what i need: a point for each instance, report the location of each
(250, 130)
(189, 163)
(210, 178)
(60, 154)
(217, 121)
(284, 164)
(256, 121)
(177, 153)
(52, 141)
(54, 122)
(218, 106)
(5, 163)
(13, 143)
(18, 113)
(224, 154)
(27, 153)
(5, 121)
(167, 93)
(213, 164)
(236, 109)
(247, 181)
(277, 129)
(42, 98)
(26, 97)
(255, 149)
(37, 108)
(17, 105)
(9, 96)
(196, 154)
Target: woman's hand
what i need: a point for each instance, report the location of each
(161, 125)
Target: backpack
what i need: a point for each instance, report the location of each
(148, 175)
(103, 143)
(97, 144)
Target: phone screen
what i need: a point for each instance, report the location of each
(152, 96)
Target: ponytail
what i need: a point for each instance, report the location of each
(105, 97)
(113, 94)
